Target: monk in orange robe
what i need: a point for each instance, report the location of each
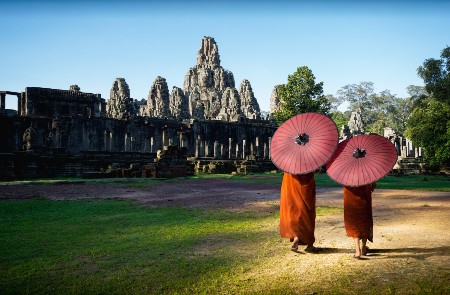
(358, 218)
(298, 210)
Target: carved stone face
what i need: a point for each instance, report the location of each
(205, 78)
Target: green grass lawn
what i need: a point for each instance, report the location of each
(118, 247)
(408, 182)
(91, 247)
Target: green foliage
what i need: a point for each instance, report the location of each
(340, 118)
(378, 110)
(429, 124)
(398, 112)
(436, 75)
(429, 127)
(361, 97)
(301, 94)
(358, 95)
(334, 101)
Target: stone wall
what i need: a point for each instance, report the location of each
(214, 139)
(48, 102)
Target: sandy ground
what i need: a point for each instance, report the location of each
(411, 228)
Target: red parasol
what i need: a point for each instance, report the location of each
(362, 160)
(304, 143)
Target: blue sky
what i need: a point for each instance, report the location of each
(55, 44)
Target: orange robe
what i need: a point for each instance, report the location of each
(298, 207)
(358, 218)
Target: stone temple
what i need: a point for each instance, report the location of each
(209, 123)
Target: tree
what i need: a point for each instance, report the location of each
(429, 123)
(340, 119)
(429, 127)
(436, 76)
(337, 116)
(378, 114)
(415, 92)
(358, 95)
(334, 101)
(373, 106)
(398, 113)
(301, 94)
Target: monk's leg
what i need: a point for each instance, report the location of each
(364, 248)
(295, 242)
(357, 248)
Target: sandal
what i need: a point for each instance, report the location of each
(365, 250)
(311, 249)
(356, 257)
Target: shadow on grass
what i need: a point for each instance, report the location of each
(328, 250)
(415, 252)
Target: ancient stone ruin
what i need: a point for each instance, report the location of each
(209, 125)
(120, 105)
(72, 133)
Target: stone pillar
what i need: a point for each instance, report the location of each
(230, 145)
(186, 142)
(202, 148)
(2, 101)
(180, 140)
(257, 149)
(404, 152)
(158, 140)
(207, 148)
(197, 147)
(265, 151)
(244, 147)
(152, 144)
(111, 142)
(106, 141)
(268, 147)
(222, 150)
(216, 150)
(410, 148)
(397, 147)
(126, 143)
(237, 151)
(164, 137)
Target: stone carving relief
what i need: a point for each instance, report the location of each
(249, 104)
(179, 106)
(207, 86)
(355, 123)
(29, 138)
(158, 100)
(275, 103)
(207, 83)
(120, 105)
